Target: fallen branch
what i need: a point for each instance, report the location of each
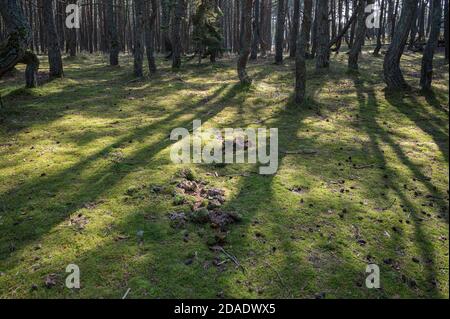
(280, 279)
(301, 152)
(232, 258)
(126, 294)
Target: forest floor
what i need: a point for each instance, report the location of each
(86, 179)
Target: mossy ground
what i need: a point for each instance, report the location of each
(96, 142)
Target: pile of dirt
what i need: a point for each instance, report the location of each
(206, 208)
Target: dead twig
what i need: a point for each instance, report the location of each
(301, 152)
(126, 293)
(280, 279)
(233, 259)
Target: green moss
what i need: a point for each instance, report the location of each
(89, 149)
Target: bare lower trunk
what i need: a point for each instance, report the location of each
(32, 62)
(151, 8)
(112, 32)
(393, 75)
(176, 34)
(139, 38)
(246, 33)
(295, 28)
(323, 36)
(54, 50)
(300, 63)
(256, 33)
(428, 53)
(361, 29)
(446, 31)
(14, 50)
(279, 36)
(381, 30)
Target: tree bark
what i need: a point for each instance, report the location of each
(295, 28)
(361, 29)
(279, 35)
(19, 35)
(54, 51)
(256, 32)
(176, 33)
(266, 27)
(138, 38)
(428, 53)
(150, 26)
(393, 75)
(300, 63)
(446, 33)
(112, 33)
(246, 34)
(378, 46)
(323, 36)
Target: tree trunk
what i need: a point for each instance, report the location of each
(19, 35)
(72, 42)
(151, 9)
(413, 32)
(361, 29)
(246, 34)
(376, 52)
(300, 63)
(428, 53)
(166, 6)
(446, 22)
(323, 36)
(295, 28)
(279, 35)
(266, 27)
(54, 51)
(176, 33)
(138, 38)
(32, 62)
(256, 32)
(112, 33)
(393, 75)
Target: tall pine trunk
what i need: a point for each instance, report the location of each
(323, 35)
(361, 29)
(393, 75)
(428, 54)
(138, 49)
(279, 36)
(256, 31)
(112, 33)
(300, 63)
(54, 51)
(150, 25)
(295, 28)
(176, 33)
(246, 37)
(381, 30)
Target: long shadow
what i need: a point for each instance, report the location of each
(436, 127)
(377, 135)
(49, 213)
